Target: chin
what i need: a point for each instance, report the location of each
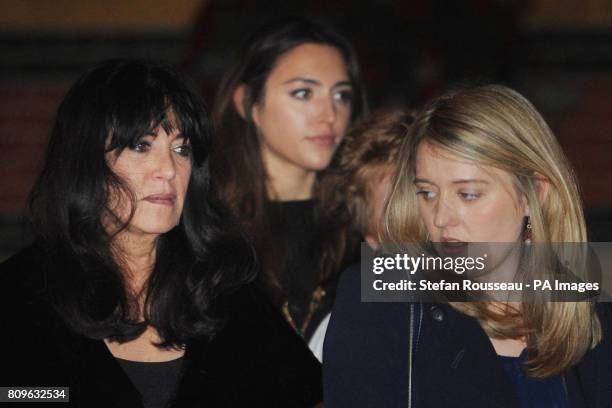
(158, 227)
(318, 164)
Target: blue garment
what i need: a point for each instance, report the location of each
(534, 392)
(454, 365)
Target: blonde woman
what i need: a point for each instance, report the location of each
(481, 166)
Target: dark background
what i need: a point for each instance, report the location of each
(558, 53)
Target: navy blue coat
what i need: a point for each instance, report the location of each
(366, 358)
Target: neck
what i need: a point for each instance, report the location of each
(506, 270)
(287, 182)
(290, 189)
(137, 258)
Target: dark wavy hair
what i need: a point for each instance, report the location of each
(111, 107)
(237, 163)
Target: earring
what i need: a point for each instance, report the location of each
(528, 234)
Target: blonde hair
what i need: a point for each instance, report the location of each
(495, 126)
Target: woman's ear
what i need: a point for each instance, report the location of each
(238, 99)
(542, 188)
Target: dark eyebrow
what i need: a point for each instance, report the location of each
(302, 79)
(343, 83)
(154, 135)
(315, 82)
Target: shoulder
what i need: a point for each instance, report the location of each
(364, 347)
(595, 381)
(37, 338)
(350, 311)
(260, 352)
(24, 258)
(253, 314)
(604, 313)
(24, 286)
(21, 276)
(349, 286)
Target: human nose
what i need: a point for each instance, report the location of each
(444, 214)
(328, 111)
(165, 166)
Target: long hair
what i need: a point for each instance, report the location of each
(111, 107)
(496, 126)
(237, 163)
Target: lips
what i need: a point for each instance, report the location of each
(161, 199)
(453, 247)
(325, 140)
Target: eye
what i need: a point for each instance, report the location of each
(141, 146)
(183, 150)
(344, 96)
(427, 195)
(302, 93)
(469, 196)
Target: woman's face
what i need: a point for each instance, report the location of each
(461, 201)
(157, 170)
(305, 109)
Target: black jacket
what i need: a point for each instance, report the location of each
(256, 360)
(366, 358)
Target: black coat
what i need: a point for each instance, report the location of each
(366, 358)
(256, 360)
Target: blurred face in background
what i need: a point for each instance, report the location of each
(305, 109)
(157, 171)
(378, 193)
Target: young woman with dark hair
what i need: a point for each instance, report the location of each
(136, 290)
(280, 113)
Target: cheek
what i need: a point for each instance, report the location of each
(496, 222)
(281, 114)
(183, 175)
(290, 123)
(282, 129)
(426, 214)
(343, 118)
(132, 173)
(281, 125)
(119, 206)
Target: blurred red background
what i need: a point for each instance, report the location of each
(559, 54)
